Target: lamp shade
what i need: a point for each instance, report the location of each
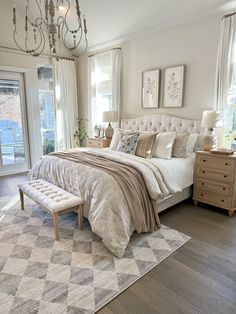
(211, 119)
(109, 116)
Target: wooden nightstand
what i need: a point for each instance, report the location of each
(98, 142)
(215, 180)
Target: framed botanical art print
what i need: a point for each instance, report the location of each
(150, 88)
(173, 86)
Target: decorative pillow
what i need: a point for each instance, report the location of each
(163, 145)
(116, 137)
(180, 145)
(191, 143)
(128, 143)
(145, 144)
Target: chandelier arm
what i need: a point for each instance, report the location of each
(79, 41)
(65, 20)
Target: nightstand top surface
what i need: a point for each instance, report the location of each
(203, 152)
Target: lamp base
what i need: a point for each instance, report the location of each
(109, 131)
(210, 140)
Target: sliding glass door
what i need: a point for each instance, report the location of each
(14, 152)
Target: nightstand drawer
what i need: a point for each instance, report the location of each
(215, 187)
(98, 142)
(213, 198)
(215, 175)
(218, 163)
(92, 143)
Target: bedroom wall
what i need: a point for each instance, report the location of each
(193, 44)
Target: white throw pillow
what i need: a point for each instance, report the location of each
(163, 145)
(116, 137)
(180, 145)
(191, 143)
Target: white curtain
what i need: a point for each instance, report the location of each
(225, 68)
(116, 82)
(66, 103)
(104, 86)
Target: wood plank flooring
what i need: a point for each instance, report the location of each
(200, 277)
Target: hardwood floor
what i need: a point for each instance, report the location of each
(200, 277)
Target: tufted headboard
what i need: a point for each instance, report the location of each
(165, 123)
(161, 123)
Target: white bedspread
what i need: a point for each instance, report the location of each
(105, 206)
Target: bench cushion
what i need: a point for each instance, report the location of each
(49, 195)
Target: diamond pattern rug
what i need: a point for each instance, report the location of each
(75, 275)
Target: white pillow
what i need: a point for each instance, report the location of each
(118, 133)
(163, 145)
(191, 143)
(180, 145)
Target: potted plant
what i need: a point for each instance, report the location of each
(81, 134)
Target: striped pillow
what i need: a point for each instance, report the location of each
(145, 144)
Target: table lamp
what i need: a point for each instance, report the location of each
(109, 116)
(211, 119)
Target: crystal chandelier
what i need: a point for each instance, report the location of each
(52, 23)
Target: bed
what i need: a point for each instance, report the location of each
(105, 204)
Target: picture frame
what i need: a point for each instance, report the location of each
(173, 87)
(101, 133)
(150, 89)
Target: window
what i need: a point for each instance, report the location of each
(101, 81)
(47, 117)
(104, 91)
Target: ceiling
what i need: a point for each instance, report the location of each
(115, 20)
(112, 21)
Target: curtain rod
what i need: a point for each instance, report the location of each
(228, 15)
(97, 53)
(45, 55)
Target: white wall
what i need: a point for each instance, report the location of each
(193, 44)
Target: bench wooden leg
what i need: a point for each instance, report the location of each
(21, 200)
(80, 216)
(56, 226)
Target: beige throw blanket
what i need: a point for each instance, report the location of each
(132, 185)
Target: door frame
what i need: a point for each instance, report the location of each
(18, 74)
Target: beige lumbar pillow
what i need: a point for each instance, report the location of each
(180, 145)
(163, 145)
(145, 144)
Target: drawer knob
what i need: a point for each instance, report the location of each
(226, 164)
(222, 201)
(201, 194)
(203, 171)
(224, 189)
(202, 183)
(204, 160)
(225, 176)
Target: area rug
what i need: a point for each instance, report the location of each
(75, 275)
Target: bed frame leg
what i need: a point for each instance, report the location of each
(80, 216)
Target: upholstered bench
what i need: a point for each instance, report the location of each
(54, 199)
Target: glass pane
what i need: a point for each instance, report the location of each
(47, 115)
(11, 133)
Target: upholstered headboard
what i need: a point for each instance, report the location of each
(161, 123)
(165, 123)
